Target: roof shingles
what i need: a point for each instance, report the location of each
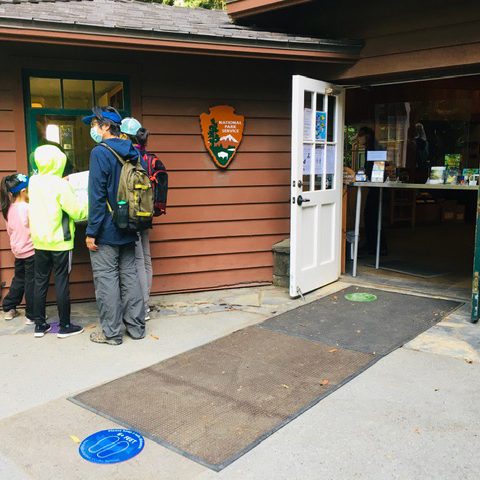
(136, 17)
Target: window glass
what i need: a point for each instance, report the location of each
(424, 128)
(45, 92)
(77, 94)
(70, 135)
(109, 93)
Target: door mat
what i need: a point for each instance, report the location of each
(379, 327)
(218, 401)
(399, 266)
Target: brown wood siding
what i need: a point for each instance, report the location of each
(220, 225)
(8, 165)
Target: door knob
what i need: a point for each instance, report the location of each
(300, 200)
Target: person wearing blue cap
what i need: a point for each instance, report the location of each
(112, 251)
(14, 199)
(138, 135)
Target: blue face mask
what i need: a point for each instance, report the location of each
(95, 136)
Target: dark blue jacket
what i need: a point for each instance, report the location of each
(103, 182)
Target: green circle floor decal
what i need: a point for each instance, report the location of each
(361, 297)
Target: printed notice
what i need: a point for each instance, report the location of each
(307, 124)
(307, 159)
(320, 126)
(376, 156)
(79, 183)
(319, 155)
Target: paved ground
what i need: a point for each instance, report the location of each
(413, 415)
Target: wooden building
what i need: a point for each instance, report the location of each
(171, 65)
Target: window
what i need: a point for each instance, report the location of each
(56, 104)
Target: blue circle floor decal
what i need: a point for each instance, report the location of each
(111, 446)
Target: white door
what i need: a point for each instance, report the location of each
(316, 188)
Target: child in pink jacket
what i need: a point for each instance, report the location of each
(14, 203)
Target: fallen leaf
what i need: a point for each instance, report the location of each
(154, 336)
(285, 386)
(469, 361)
(335, 297)
(324, 382)
(75, 439)
(416, 431)
(333, 350)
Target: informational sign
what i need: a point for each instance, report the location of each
(307, 124)
(320, 126)
(79, 183)
(319, 159)
(307, 159)
(222, 132)
(378, 172)
(111, 446)
(376, 156)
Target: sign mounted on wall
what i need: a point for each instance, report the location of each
(222, 132)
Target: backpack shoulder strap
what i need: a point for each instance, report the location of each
(119, 157)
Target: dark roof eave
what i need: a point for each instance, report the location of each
(351, 50)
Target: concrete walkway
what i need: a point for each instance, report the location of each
(413, 415)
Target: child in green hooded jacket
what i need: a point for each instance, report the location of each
(54, 208)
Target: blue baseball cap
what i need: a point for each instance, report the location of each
(110, 115)
(130, 126)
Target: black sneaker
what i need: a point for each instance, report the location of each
(68, 330)
(42, 329)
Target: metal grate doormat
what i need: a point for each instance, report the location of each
(216, 402)
(413, 269)
(374, 327)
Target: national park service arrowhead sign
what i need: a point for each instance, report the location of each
(222, 132)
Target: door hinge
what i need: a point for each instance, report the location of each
(332, 91)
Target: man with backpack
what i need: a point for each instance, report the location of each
(115, 214)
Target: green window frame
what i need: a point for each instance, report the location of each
(31, 113)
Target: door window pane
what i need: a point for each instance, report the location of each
(332, 113)
(307, 166)
(45, 92)
(319, 167)
(109, 93)
(70, 135)
(78, 94)
(330, 167)
(307, 117)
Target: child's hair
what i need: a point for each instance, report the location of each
(140, 138)
(8, 182)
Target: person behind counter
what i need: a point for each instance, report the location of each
(54, 208)
(366, 139)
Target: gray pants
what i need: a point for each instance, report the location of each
(143, 260)
(117, 290)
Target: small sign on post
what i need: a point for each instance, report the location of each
(222, 132)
